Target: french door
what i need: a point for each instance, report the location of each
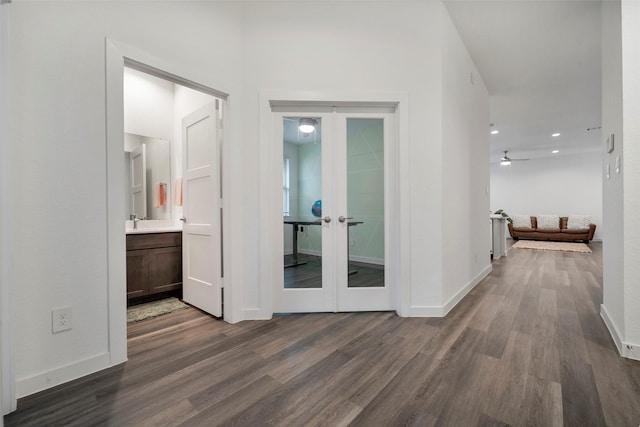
(335, 197)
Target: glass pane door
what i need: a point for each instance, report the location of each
(306, 226)
(334, 192)
(365, 202)
(302, 203)
(362, 191)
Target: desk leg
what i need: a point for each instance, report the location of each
(348, 250)
(295, 262)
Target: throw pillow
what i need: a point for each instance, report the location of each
(579, 222)
(548, 221)
(521, 221)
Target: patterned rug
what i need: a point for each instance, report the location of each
(148, 310)
(552, 246)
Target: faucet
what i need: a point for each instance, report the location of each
(135, 219)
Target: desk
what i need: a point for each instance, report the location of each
(296, 227)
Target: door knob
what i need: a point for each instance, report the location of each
(183, 219)
(343, 219)
(327, 219)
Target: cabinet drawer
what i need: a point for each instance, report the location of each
(165, 269)
(137, 273)
(153, 240)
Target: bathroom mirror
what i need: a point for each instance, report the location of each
(147, 177)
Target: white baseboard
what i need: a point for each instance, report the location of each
(366, 260)
(628, 350)
(441, 311)
(631, 351)
(310, 252)
(425, 311)
(454, 300)
(39, 382)
(256, 314)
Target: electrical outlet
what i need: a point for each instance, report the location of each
(61, 319)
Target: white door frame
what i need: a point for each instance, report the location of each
(116, 56)
(271, 175)
(8, 401)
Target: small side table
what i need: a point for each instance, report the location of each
(498, 236)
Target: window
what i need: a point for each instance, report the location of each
(285, 186)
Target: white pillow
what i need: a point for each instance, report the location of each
(548, 221)
(521, 221)
(579, 222)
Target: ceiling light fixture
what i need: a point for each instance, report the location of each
(505, 162)
(494, 132)
(307, 125)
(555, 134)
(555, 151)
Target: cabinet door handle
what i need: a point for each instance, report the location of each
(342, 218)
(183, 219)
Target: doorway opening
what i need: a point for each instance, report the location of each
(118, 58)
(173, 192)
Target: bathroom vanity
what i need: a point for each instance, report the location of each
(154, 262)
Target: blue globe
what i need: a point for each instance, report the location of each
(316, 208)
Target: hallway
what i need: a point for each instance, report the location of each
(526, 347)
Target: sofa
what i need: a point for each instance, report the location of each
(530, 230)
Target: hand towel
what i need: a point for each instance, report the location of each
(159, 194)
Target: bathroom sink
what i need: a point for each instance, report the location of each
(152, 226)
(153, 230)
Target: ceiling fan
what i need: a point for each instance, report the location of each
(506, 160)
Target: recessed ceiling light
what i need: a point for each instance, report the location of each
(555, 151)
(555, 134)
(494, 132)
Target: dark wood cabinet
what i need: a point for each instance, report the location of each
(154, 263)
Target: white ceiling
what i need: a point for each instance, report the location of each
(541, 62)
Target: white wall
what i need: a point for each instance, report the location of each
(59, 134)
(620, 109)
(561, 185)
(7, 402)
(465, 156)
(396, 48)
(291, 151)
(148, 105)
(631, 172)
(612, 195)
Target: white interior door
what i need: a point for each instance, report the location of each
(139, 181)
(335, 261)
(201, 237)
(304, 285)
(363, 189)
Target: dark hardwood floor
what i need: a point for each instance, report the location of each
(308, 273)
(526, 347)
